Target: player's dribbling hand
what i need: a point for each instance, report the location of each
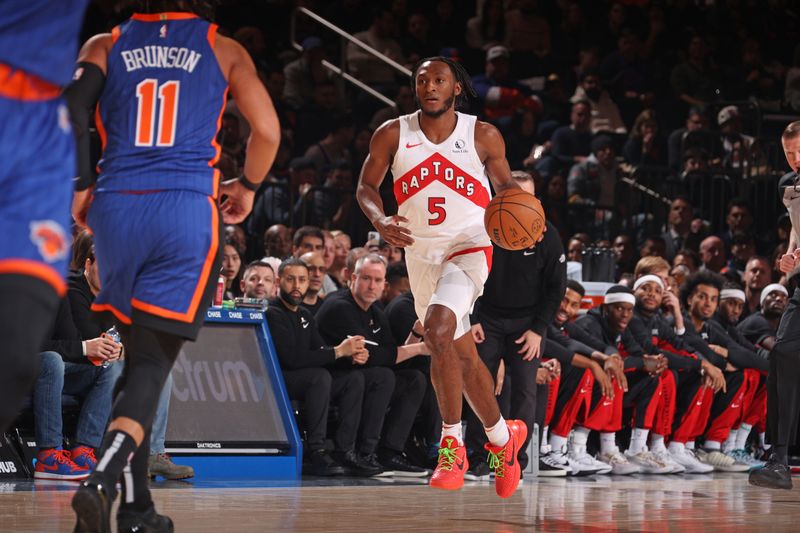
(477, 333)
(392, 232)
(81, 201)
(239, 201)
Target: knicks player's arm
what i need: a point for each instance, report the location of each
(255, 104)
(82, 95)
(382, 148)
(492, 152)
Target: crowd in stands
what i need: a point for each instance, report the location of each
(588, 96)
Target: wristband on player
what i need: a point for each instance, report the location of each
(247, 184)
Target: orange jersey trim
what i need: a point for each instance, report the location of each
(189, 315)
(115, 34)
(215, 144)
(158, 17)
(212, 35)
(102, 308)
(35, 269)
(101, 129)
(17, 84)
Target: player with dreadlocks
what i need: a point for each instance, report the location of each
(442, 161)
(158, 83)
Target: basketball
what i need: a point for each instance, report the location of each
(514, 219)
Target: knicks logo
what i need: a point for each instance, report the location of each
(51, 239)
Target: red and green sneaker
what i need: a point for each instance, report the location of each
(503, 459)
(451, 466)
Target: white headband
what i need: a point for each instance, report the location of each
(620, 297)
(770, 288)
(732, 293)
(646, 279)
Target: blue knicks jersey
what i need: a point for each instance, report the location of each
(161, 106)
(40, 37)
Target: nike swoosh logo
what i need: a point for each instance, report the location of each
(734, 406)
(531, 252)
(513, 460)
(305, 325)
(412, 145)
(605, 404)
(376, 330)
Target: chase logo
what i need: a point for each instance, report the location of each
(51, 239)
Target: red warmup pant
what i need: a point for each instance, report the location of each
(726, 411)
(693, 406)
(573, 400)
(665, 408)
(755, 412)
(552, 395)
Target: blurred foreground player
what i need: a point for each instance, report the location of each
(783, 381)
(161, 79)
(441, 161)
(38, 42)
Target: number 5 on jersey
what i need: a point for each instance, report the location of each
(436, 208)
(168, 93)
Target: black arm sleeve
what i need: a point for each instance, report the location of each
(554, 350)
(579, 332)
(554, 281)
(738, 355)
(82, 96)
(292, 352)
(698, 345)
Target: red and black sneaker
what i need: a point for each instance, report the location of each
(451, 466)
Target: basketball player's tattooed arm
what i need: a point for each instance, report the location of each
(381, 151)
(255, 104)
(82, 96)
(492, 152)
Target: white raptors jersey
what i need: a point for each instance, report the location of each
(442, 189)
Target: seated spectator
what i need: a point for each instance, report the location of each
(380, 36)
(277, 241)
(258, 281)
(522, 138)
(304, 359)
(315, 120)
(575, 250)
(624, 254)
(304, 73)
(316, 272)
(396, 283)
(678, 233)
(419, 41)
(743, 247)
(501, 96)
(739, 219)
(569, 145)
(682, 139)
(712, 254)
(739, 151)
(488, 27)
(275, 206)
(333, 148)
(757, 275)
(645, 146)
(229, 137)
(232, 269)
(594, 182)
(308, 239)
(329, 284)
(356, 313)
(331, 207)
(404, 105)
(628, 75)
(605, 114)
(69, 365)
(687, 258)
(342, 248)
(653, 246)
(695, 81)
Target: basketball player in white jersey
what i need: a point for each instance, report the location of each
(783, 381)
(442, 161)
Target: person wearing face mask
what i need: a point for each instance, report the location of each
(605, 113)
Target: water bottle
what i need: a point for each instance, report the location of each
(220, 294)
(112, 334)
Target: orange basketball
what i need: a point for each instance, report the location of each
(514, 219)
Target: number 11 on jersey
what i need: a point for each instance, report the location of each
(168, 94)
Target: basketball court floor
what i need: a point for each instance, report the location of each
(685, 504)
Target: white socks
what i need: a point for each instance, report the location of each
(741, 436)
(762, 440)
(676, 447)
(657, 443)
(608, 443)
(638, 441)
(729, 445)
(557, 442)
(580, 435)
(712, 445)
(454, 431)
(498, 433)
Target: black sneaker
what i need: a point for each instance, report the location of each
(550, 467)
(92, 504)
(355, 466)
(398, 463)
(320, 463)
(478, 470)
(371, 459)
(773, 475)
(143, 522)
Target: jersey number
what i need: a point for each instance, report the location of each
(167, 93)
(436, 208)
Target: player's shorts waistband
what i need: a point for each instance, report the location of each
(19, 85)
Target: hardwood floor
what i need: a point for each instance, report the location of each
(719, 502)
